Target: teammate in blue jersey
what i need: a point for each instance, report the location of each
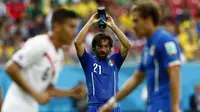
(160, 63)
(101, 70)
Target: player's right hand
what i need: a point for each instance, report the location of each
(43, 98)
(94, 19)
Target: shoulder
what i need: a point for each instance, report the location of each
(39, 42)
(164, 38)
(115, 54)
(61, 52)
(167, 43)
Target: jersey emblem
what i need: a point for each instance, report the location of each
(110, 62)
(171, 48)
(152, 50)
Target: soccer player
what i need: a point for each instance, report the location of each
(101, 70)
(160, 63)
(35, 66)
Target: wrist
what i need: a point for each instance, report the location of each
(113, 102)
(34, 94)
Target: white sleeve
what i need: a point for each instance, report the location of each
(30, 53)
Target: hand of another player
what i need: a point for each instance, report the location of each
(43, 98)
(106, 108)
(79, 91)
(94, 18)
(110, 22)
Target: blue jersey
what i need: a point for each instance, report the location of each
(160, 52)
(101, 76)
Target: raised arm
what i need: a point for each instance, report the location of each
(80, 38)
(126, 44)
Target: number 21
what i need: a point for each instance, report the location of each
(97, 66)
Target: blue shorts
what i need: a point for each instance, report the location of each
(160, 105)
(95, 108)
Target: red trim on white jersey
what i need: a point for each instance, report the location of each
(51, 62)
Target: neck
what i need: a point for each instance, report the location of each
(55, 41)
(151, 31)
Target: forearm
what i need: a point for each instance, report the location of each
(122, 37)
(175, 88)
(175, 91)
(80, 38)
(129, 86)
(14, 72)
(62, 93)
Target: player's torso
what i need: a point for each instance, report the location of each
(156, 74)
(43, 72)
(102, 80)
(39, 76)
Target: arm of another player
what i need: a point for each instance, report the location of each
(80, 38)
(14, 71)
(127, 88)
(174, 74)
(126, 44)
(170, 54)
(78, 92)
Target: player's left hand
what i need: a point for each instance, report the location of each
(110, 22)
(106, 108)
(79, 91)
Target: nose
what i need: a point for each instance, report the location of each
(102, 49)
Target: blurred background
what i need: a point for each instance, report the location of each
(23, 19)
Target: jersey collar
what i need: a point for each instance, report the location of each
(153, 37)
(100, 60)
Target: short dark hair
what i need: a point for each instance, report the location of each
(148, 8)
(61, 15)
(99, 37)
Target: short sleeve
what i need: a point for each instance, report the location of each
(30, 53)
(85, 59)
(170, 53)
(118, 59)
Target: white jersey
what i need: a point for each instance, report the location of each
(40, 63)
